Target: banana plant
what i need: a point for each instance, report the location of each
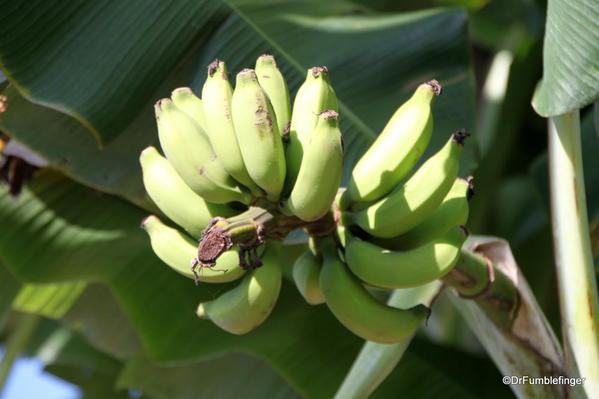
(312, 211)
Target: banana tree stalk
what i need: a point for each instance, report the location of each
(16, 343)
(572, 246)
(376, 361)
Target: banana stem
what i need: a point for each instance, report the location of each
(16, 343)
(376, 361)
(573, 257)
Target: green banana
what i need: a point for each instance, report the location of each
(383, 268)
(453, 211)
(188, 149)
(306, 275)
(357, 310)
(274, 84)
(320, 172)
(411, 203)
(186, 101)
(178, 251)
(245, 307)
(217, 96)
(314, 96)
(189, 103)
(258, 135)
(395, 151)
(170, 193)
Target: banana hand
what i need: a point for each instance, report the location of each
(357, 310)
(395, 151)
(320, 172)
(258, 135)
(414, 201)
(173, 197)
(380, 267)
(249, 304)
(178, 251)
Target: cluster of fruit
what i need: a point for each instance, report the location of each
(242, 171)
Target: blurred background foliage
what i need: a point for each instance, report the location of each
(78, 280)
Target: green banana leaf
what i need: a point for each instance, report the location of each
(570, 58)
(378, 60)
(48, 300)
(99, 318)
(98, 61)
(9, 289)
(234, 375)
(489, 24)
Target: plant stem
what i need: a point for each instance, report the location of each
(16, 343)
(376, 361)
(474, 277)
(573, 258)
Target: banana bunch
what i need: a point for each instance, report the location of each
(243, 166)
(226, 155)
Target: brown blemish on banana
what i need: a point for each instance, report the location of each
(317, 71)
(460, 136)
(250, 72)
(263, 121)
(434, 84)
(329, 114)
(470, 193)
(286, 131)
(213, 66)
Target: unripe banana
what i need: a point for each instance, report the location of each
(188, 149)
(217, 95)
(383, 268)
(357, 310)
(189, 103)
(274, 84)
(320, 172)
(453, 211)
(178, 251)
(313, 97)
(414, 201)
(306, 275)
(186, 101)
(245, 307)
(395, 151)
(173, 197)
(258, 135)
